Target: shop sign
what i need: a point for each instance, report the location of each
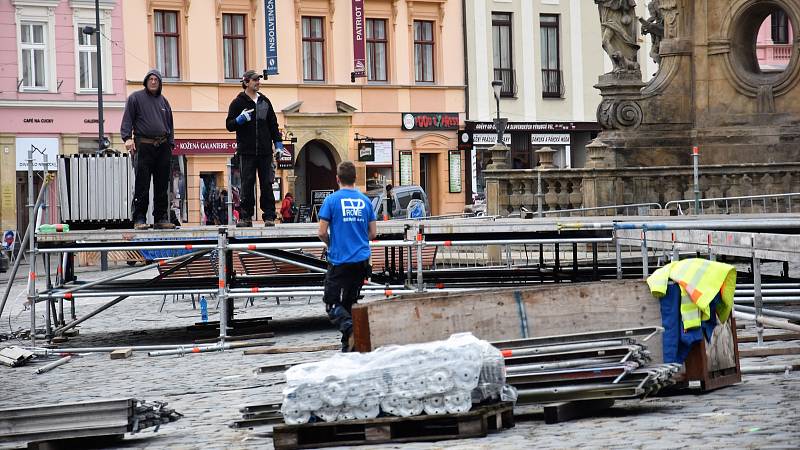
(429, 121)
(318, 197)
(454, 165)
(405, 168)
(536, 126)
(359, 58)
(271, 20)
(37, 120)
(366, 151)
(383, 151)
(286, 158)
(550, 139)
(40, 147)
(489, 139)
(204, 146)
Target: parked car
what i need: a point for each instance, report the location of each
(401, 196)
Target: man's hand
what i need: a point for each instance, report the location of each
(244, 116)
(130, 146)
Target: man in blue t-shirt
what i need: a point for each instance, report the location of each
(346, 225)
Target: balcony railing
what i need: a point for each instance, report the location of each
(509, 87)
(552, 83)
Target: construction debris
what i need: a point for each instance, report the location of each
(122, 353)
(89, 419)
(15, 356)
(53, 365)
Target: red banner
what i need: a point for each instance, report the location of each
(204, 146)
(359, 58)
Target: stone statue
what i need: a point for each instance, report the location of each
(618, 27)
(654, 26)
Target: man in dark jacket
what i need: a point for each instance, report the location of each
(253, 119)
(150, 137)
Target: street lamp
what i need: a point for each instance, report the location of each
(497, 86)
(499, 124)
(103, 143)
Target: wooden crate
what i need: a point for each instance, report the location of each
(476, 423)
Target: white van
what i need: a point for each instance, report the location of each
(401, 197)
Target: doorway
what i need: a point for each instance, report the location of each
(429, 179)
(315, 169)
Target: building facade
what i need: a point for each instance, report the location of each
(399, 123)
(48, 90)
(547, 55)
(774, 42)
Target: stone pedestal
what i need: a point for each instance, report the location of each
(546, 155)
(499, 153)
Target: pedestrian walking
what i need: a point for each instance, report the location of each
(346, 225)
(149, 135)
(287, 208)
(253, 118)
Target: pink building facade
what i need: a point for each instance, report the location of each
(774, 42)
(48, 88)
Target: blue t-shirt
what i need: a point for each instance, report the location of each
(348, 213)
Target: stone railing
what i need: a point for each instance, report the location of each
(507, 191)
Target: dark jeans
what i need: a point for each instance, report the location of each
(250, 165)
(151, 161)
(342, 288)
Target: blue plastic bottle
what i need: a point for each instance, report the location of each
(203, 309)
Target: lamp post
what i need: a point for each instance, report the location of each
(101, 140)
(497, 86)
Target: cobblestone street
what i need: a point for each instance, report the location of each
(761, 412)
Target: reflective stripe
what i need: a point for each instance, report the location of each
(690, 314)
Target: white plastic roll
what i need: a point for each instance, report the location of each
(410, 407)
(328, 414)
(333, 391)
(434, 405)
(458, 402)
(440, 381)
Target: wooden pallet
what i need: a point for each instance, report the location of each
(476, 423)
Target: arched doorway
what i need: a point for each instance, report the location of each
(315, 168)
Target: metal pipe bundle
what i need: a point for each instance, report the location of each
(86, 190)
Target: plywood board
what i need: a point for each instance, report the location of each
(511, 313)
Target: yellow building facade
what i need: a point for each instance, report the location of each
(408, 107)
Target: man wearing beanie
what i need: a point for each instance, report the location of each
(150, 137)
(253, 119)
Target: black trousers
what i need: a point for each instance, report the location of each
(151, 162)
(250, 166)
(342, 288)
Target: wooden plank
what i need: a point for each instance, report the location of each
(496, 315)
(280, 350)
(772, 337)
(565, 411)
(759, 352)
(121, 353)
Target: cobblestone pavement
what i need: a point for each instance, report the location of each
(761, 412)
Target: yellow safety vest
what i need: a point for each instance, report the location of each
(700, 280)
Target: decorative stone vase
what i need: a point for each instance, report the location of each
(546, 155)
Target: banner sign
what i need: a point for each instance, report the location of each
(454, 165)
(272, 37)
(429, 121)
(489, 138)
(204, 147)
(286, 159)
(359, 58)
(317, 197)
(405, 168)
(535, 126)
(366, 151)
(550, 139)
(40, 146)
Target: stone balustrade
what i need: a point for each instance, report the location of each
(507, 191)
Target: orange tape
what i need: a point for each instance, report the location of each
(251, 247)
(195, 349)
(188, 246)
(419, 237)
(448, 243)
(221, 283)
(59, 269)
(68, 295)
(439, 285)
(506, 353)
(388, 292)
(162, 262)
(254, 289)
(32, 275)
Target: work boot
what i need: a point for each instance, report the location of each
(164, 226)
(269, 223)
(244, 223)
(140, 225)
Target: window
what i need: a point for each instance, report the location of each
(780, 27)
(234, 42)
(423, 51)
(313, 49)
(167, 35)
(87, 59)
(551, 68)
(501, 45)
(34, 57)
(376, 50)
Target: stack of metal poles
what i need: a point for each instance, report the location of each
(611, 364)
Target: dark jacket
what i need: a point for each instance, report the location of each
(246, 133)
(147, 115)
